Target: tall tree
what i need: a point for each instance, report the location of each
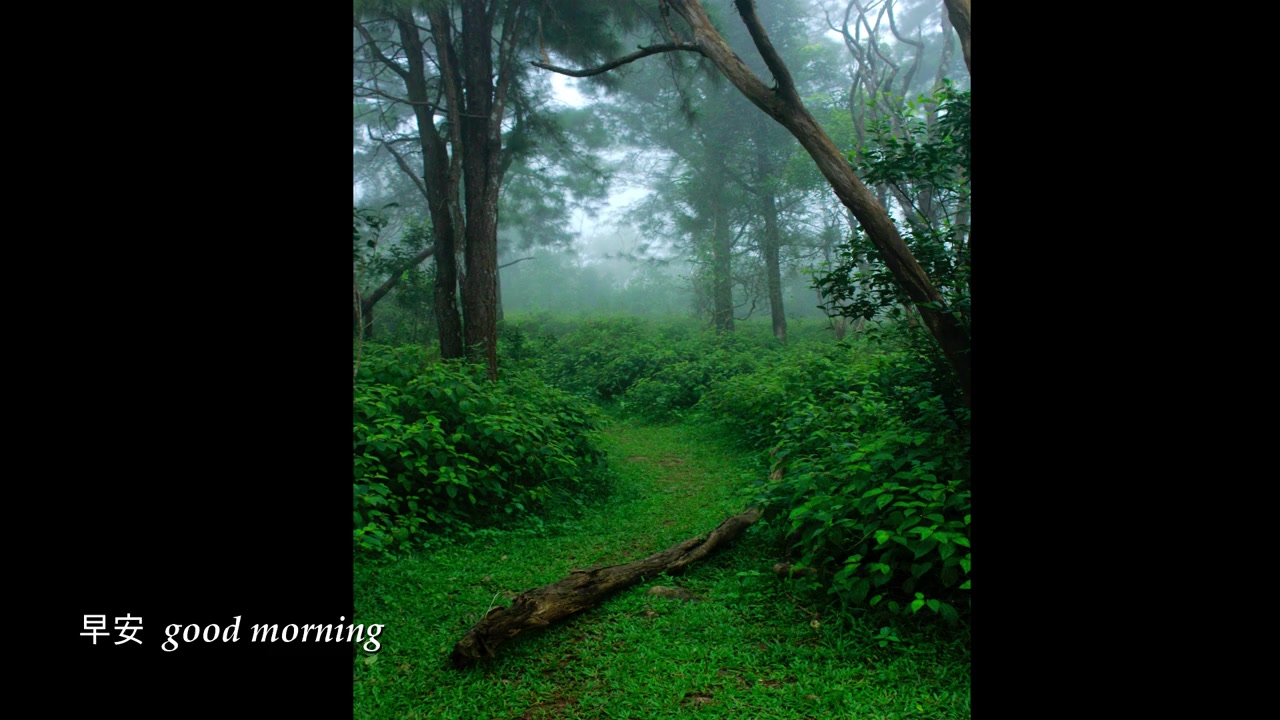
(460, 79)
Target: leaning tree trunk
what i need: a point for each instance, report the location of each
(782, 102)
(958, 13)
(584, 589)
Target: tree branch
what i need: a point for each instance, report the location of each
(781, 75)
(404, 166)
(641, 53)
(385, 287)
(373, 46)
(355, 92)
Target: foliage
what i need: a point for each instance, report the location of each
(437, 447)
(745, 649)
(655, 369)
(873, 453)
(927, 166)
(409, 317)
(365, 221)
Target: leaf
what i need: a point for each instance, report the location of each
(948, 612)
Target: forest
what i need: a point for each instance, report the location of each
(660, 358)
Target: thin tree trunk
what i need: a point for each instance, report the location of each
(772, 241)
(721, 268)
(772, 267)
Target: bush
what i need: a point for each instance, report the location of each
(875, 484)
(436, 446)
(657, 369)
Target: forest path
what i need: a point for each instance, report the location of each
(743, 647)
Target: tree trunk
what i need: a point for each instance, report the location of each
(772, 267)
(482, 171)
(958, 13)
(584, 589)
(498, 286)
(439, 190)
(772, 238)
(721, 259)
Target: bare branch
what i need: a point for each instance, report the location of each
(781, 75)
(404, 166)
(513, 262)
(372, 92)
(373, 46)
(641, 53)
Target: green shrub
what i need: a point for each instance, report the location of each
(436, 446)
(657, 369)
(874, 489)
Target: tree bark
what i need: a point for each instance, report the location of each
(584, 589)
(958, 14)
(721, 262)
(440, 192)
(771, 245)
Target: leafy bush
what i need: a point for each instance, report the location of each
(436, 446)
(874, 489)
(680, 385)
(657, 369)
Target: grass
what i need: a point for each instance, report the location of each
(745, 647)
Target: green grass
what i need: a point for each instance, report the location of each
(744, 648)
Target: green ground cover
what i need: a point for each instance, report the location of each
(747, 646)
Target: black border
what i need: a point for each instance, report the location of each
(205, 418)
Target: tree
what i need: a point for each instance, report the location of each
(460, 80)
(782, 102)
(728, 182)
(395, 267)
(925, 162)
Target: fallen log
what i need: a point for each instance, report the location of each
(584, 589)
